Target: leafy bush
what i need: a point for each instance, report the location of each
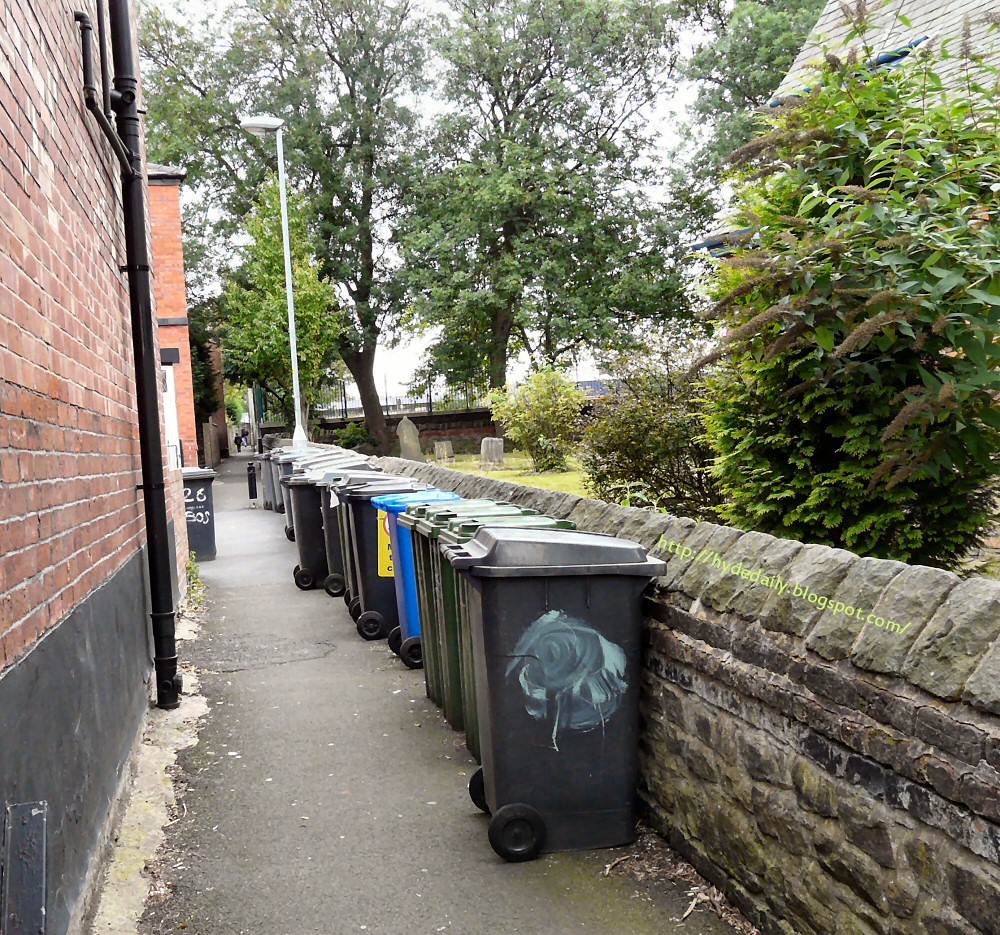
(858, 407)
(352, 435)
(542, 417)
(642, 445)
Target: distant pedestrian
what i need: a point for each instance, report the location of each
(239, 442)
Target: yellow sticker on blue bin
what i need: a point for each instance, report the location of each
(384, 546)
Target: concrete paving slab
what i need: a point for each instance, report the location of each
(327, 795)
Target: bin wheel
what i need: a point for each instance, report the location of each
(354, 608)
(295, 570)
(412, 653)
(395, 640)
(517, 832)
(477, 791)
(290, 533)
(305, 580)
(334, 585)
(370, 625)
(348, 597)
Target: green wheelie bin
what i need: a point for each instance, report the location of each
(457, 640)
(426, 528)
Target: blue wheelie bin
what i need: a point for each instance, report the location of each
(404, 640)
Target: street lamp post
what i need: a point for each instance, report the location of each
(260, 125)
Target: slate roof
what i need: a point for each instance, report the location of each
(940, 20)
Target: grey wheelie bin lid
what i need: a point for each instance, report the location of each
(509, 551)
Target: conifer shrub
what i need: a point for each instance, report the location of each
(855, 404)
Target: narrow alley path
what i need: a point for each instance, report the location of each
(326, 795)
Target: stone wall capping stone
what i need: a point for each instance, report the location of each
(699, 574)
(910, 599)
(982, 691)
(587, 513)
(660, 527)
(956, 638)
(821, 569)
(834, 635)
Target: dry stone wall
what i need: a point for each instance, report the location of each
(830, 772)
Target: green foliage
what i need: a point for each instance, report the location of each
(234, 404)
(748, 48)
(352, 435)
(195, 598)
(542, 417)
(204, 378)
(339, 73)
(529, 227)
(642, 444)
(858, 405)
(256, 333)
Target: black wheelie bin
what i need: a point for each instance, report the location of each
(371, 556)
(335, 581)
(305, 491)
(383, 483)
(555, 619)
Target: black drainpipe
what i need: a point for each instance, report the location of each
(126, 142)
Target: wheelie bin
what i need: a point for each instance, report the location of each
(307, 520)
(312, 459)
(282, 463)
(391, 483)
(405, 640)
(377, 572)
(266, 478)
(426, 561)
(410, 519)
(555, 618)
(272, 462)
(456, 642)
(335, 581)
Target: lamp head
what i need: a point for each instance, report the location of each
(261, 124)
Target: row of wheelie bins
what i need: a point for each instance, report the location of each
(528, 632)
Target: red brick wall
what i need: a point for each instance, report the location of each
(70, 514)
(171, 302)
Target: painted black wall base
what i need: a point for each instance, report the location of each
(70, 712)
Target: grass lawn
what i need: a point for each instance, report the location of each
(517, 468)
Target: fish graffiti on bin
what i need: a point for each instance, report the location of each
(569, 673)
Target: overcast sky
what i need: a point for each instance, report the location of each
(394, 366)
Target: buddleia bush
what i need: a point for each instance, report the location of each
(643, 442)
(542, 417)
(855, 401)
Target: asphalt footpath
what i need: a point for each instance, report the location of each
(327, 795)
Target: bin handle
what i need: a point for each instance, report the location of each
(457, 556)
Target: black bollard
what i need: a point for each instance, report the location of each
(252, 480)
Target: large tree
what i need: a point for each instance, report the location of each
(529, 228)
(256, 336)
(743, 50)
(339, 72)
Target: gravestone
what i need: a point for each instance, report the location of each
(491, 453)
(444, 453)
(409, 440)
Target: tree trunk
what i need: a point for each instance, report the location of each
(500, 330)
(361, 364)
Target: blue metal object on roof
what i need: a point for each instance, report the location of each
(890, 59)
